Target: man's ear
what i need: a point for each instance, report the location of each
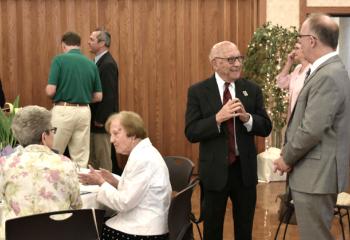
(313, 42)
(64, 47)
(213, 64)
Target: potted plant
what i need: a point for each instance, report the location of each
(265, 58)
(7, 140)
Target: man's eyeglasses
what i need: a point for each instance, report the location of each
(53, 130)
(306, 35)
(233, 59)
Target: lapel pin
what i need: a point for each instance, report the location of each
(245, 93)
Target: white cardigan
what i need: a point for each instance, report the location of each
(143, 195)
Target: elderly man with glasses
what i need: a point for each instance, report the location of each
(224, 114)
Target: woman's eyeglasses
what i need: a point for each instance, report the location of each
(53, 130)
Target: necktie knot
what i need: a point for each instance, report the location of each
(307, 73)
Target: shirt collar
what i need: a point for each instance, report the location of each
(221, 83)
(74, 50)
(98, 57)
(321, 60)
(144, 142)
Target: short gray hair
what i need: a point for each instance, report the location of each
(29, 123)
(104, 36)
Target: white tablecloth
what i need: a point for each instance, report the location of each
(265, 166)
(88, 196)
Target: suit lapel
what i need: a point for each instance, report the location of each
(307, 80)
(239, 91)
(330, 60)
(100, 61)
(213, 94)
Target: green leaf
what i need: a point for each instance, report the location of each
(6, 136)
(265, 57)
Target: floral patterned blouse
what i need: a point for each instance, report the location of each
(34, 180)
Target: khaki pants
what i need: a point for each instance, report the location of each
(100, 151)
(73, 129)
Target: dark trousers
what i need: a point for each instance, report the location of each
(243, 207)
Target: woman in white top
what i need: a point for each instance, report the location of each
(293, 81)
(142, 195)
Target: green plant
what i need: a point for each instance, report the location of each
(265, 58)
(6, 136)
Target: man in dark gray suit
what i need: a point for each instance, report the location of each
(224, 113)
(100, 146)
(316, 152)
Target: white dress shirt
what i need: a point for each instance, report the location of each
(321, 60)
(143, 194)
(100, 55)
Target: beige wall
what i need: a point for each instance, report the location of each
(286, 13)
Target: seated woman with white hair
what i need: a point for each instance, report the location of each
(34, 179)
(142, 195)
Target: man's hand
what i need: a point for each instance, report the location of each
(225, 113)
(239, 111)
(281, 166)
(50, 90)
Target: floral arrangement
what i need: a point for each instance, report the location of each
(264, 60)
(7, 140)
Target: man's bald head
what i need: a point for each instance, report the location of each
(219, 49)
(325, 29)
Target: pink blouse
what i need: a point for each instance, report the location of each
(294, 83)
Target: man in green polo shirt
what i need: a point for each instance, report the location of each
(73, 83)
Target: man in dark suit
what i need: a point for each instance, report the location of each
(100, 146)
(2, 96)
(224, 114)
(316, 152)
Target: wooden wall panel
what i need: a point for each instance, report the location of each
(161, 47)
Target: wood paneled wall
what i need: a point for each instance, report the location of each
(161, 47)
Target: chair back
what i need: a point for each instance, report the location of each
(180, 171)
(179, 222)
(67, 225)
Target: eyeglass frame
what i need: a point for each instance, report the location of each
(233, 59)
(306, 35)
(53, 130)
